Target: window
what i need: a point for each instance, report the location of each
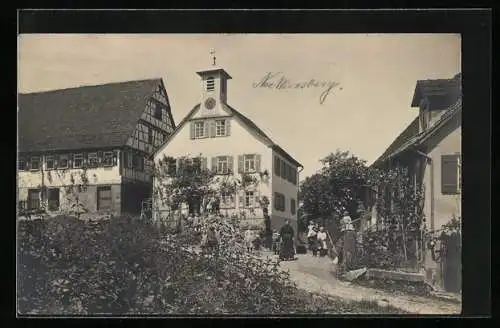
(277, 166)
(199, 130)
(227, 200)
(35, 163)
(150, 136)
(450, 174)
(21, 164)
(50, 162)
(210, 84)
(104, 198)
(283, 169)
(292, 206)
(171, 166)
(249, 199)
(222, 165)
(53, 199)
(138, 162)
(249, 163)
(158, 111)
(220, 128)
(108, 158)
(93, 160)
(63, 162)
(78, 160)
(279, 201)
(33, 199)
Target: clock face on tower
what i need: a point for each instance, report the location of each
(210, 103)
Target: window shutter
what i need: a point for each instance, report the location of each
(212, 128)
(284, 203)
(230, 164)
(242, 200)
(228, 127)
(214, 164)
(257, 199)
(191, 133)
(99, 157)
(449, 174)
(257, 162)
(205, 129)
(241, 164)
(277, 166)
(276, 206)
(283, 169)
(115, 157)
(203, 163)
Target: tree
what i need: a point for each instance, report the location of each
(337, 186)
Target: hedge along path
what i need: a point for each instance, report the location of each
(315, 275)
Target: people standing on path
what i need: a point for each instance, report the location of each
(287, 234)
(349, 242)
(321, 235)
(311, 234)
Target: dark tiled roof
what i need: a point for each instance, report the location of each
(83, 117)
(410, 138)
(425, 87)
(407, 135)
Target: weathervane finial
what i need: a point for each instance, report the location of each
(212, 52)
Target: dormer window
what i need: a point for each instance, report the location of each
(210, 84)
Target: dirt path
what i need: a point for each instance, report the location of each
(316, 275)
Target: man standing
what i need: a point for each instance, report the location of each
(287, 234)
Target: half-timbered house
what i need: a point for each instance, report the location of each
(90, 145)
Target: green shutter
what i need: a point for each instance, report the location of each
(214, 164)
(228, 127)
(277, 166)
(205, 129)
(241, 163)
(191, 130)
(203, 163)
(230, 164)
(212, 128)
(257, 162)
(449, 174)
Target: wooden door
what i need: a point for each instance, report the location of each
(104, 198)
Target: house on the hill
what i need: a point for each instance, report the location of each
(230, 144)
(90, 145)
(430, 148)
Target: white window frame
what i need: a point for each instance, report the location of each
(247, 160)
(107, 155)
(49, 158)
(93, 156)
(39, 163)
(199, 130)
(220, 128)
(80, 156)
(222, 162)
(61, 157)
(249, 198)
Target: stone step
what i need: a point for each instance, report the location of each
(394, 275)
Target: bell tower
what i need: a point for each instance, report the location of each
(213, 88)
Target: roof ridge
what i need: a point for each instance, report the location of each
(91, 86)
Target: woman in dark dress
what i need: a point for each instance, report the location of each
(286, 233)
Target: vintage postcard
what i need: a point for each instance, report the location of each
(239, 174)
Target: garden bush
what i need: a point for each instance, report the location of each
(125, 266)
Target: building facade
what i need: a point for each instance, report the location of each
(430, 148)
(90, 146)
(230, 144)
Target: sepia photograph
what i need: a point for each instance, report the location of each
(239, 174)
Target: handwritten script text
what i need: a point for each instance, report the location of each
(277, 80)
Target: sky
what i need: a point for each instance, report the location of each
(371, 79)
